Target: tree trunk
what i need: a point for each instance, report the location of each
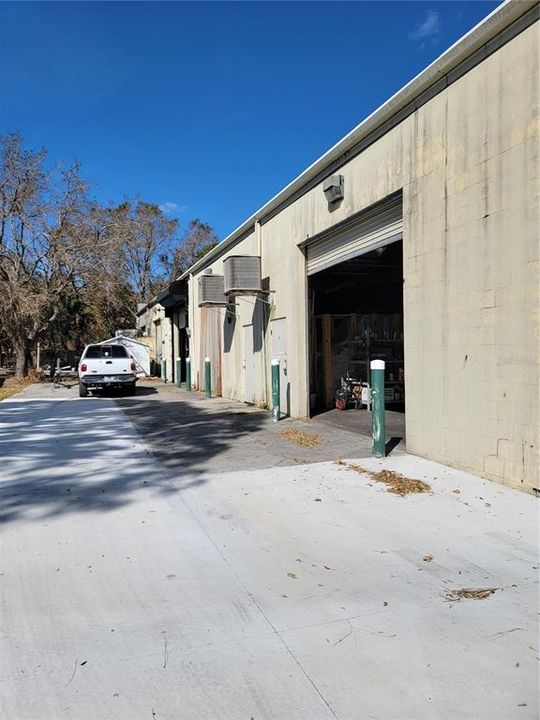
(29, 361)
(20, 360)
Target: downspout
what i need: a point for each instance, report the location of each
(265, 309)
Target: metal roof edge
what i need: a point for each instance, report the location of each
(492, 25)
(122, 337)
(149, 304)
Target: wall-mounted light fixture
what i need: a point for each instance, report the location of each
(333, 189)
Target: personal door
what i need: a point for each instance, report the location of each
(279, 351)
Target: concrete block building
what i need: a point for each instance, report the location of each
(162, 325)
(414, 240)
(154, 329)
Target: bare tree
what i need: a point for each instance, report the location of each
(46, 243)
(143, 234)
(198, 239)
(72, 271)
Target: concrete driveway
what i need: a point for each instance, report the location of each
(136, 588)
(188, 432)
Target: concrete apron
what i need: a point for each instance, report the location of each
(290, 592)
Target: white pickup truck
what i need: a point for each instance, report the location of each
(106, 366)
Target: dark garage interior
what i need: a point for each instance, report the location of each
(357, 316)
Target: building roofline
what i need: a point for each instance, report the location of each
(474, 40)
(120, 337)
(171, 290)
(150, 304)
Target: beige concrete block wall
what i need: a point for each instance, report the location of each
(148, 321)
(232, 381)
(166, 341)
(284, 263)
(153, 315)
(467, 163)
(471, 286)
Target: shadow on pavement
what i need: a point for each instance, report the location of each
(188, 435)
(81, 455)
(108, 392)
(392, 444)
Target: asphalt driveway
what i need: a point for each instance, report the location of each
(137, 587)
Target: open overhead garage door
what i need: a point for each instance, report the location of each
(379, 225)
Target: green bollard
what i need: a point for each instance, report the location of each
(377, 408)
(188, 374)
(177, 373)
(207, 377)
(164, 370)
(275, 391)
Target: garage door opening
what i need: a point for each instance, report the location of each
(357, 316)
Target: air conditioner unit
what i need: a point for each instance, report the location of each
(211, 290)
(242, 274)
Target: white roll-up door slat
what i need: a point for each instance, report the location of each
(374, 228)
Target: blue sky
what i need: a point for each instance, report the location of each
(208, 108)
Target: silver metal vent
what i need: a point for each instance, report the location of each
(211, 290)
(242, 274)
(333, 188)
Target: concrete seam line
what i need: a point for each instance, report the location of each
(332, 622)
(167, 478)
(254, 600)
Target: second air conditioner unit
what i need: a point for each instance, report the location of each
(242, 275)
(211, 290)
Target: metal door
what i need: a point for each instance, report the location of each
(159, 342)
(159, 348)
(249, 366)
(279, 350)
(375, 227)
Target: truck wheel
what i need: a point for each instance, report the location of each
(132, 389)
(83, 390)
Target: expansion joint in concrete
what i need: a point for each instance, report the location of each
(265, 617)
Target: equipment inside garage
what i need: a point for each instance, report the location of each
(356, 317)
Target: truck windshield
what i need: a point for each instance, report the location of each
(105, 351)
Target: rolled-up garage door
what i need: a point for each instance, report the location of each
(379, 225)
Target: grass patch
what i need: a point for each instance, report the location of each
(12, 386)
(395, 482)
(301, 438)
(6, 392)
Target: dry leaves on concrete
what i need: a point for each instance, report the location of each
(301, 438)
(470, 594)
(395, 482)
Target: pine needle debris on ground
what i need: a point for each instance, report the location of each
(301, 438)
(470, 594)
(395, 482)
